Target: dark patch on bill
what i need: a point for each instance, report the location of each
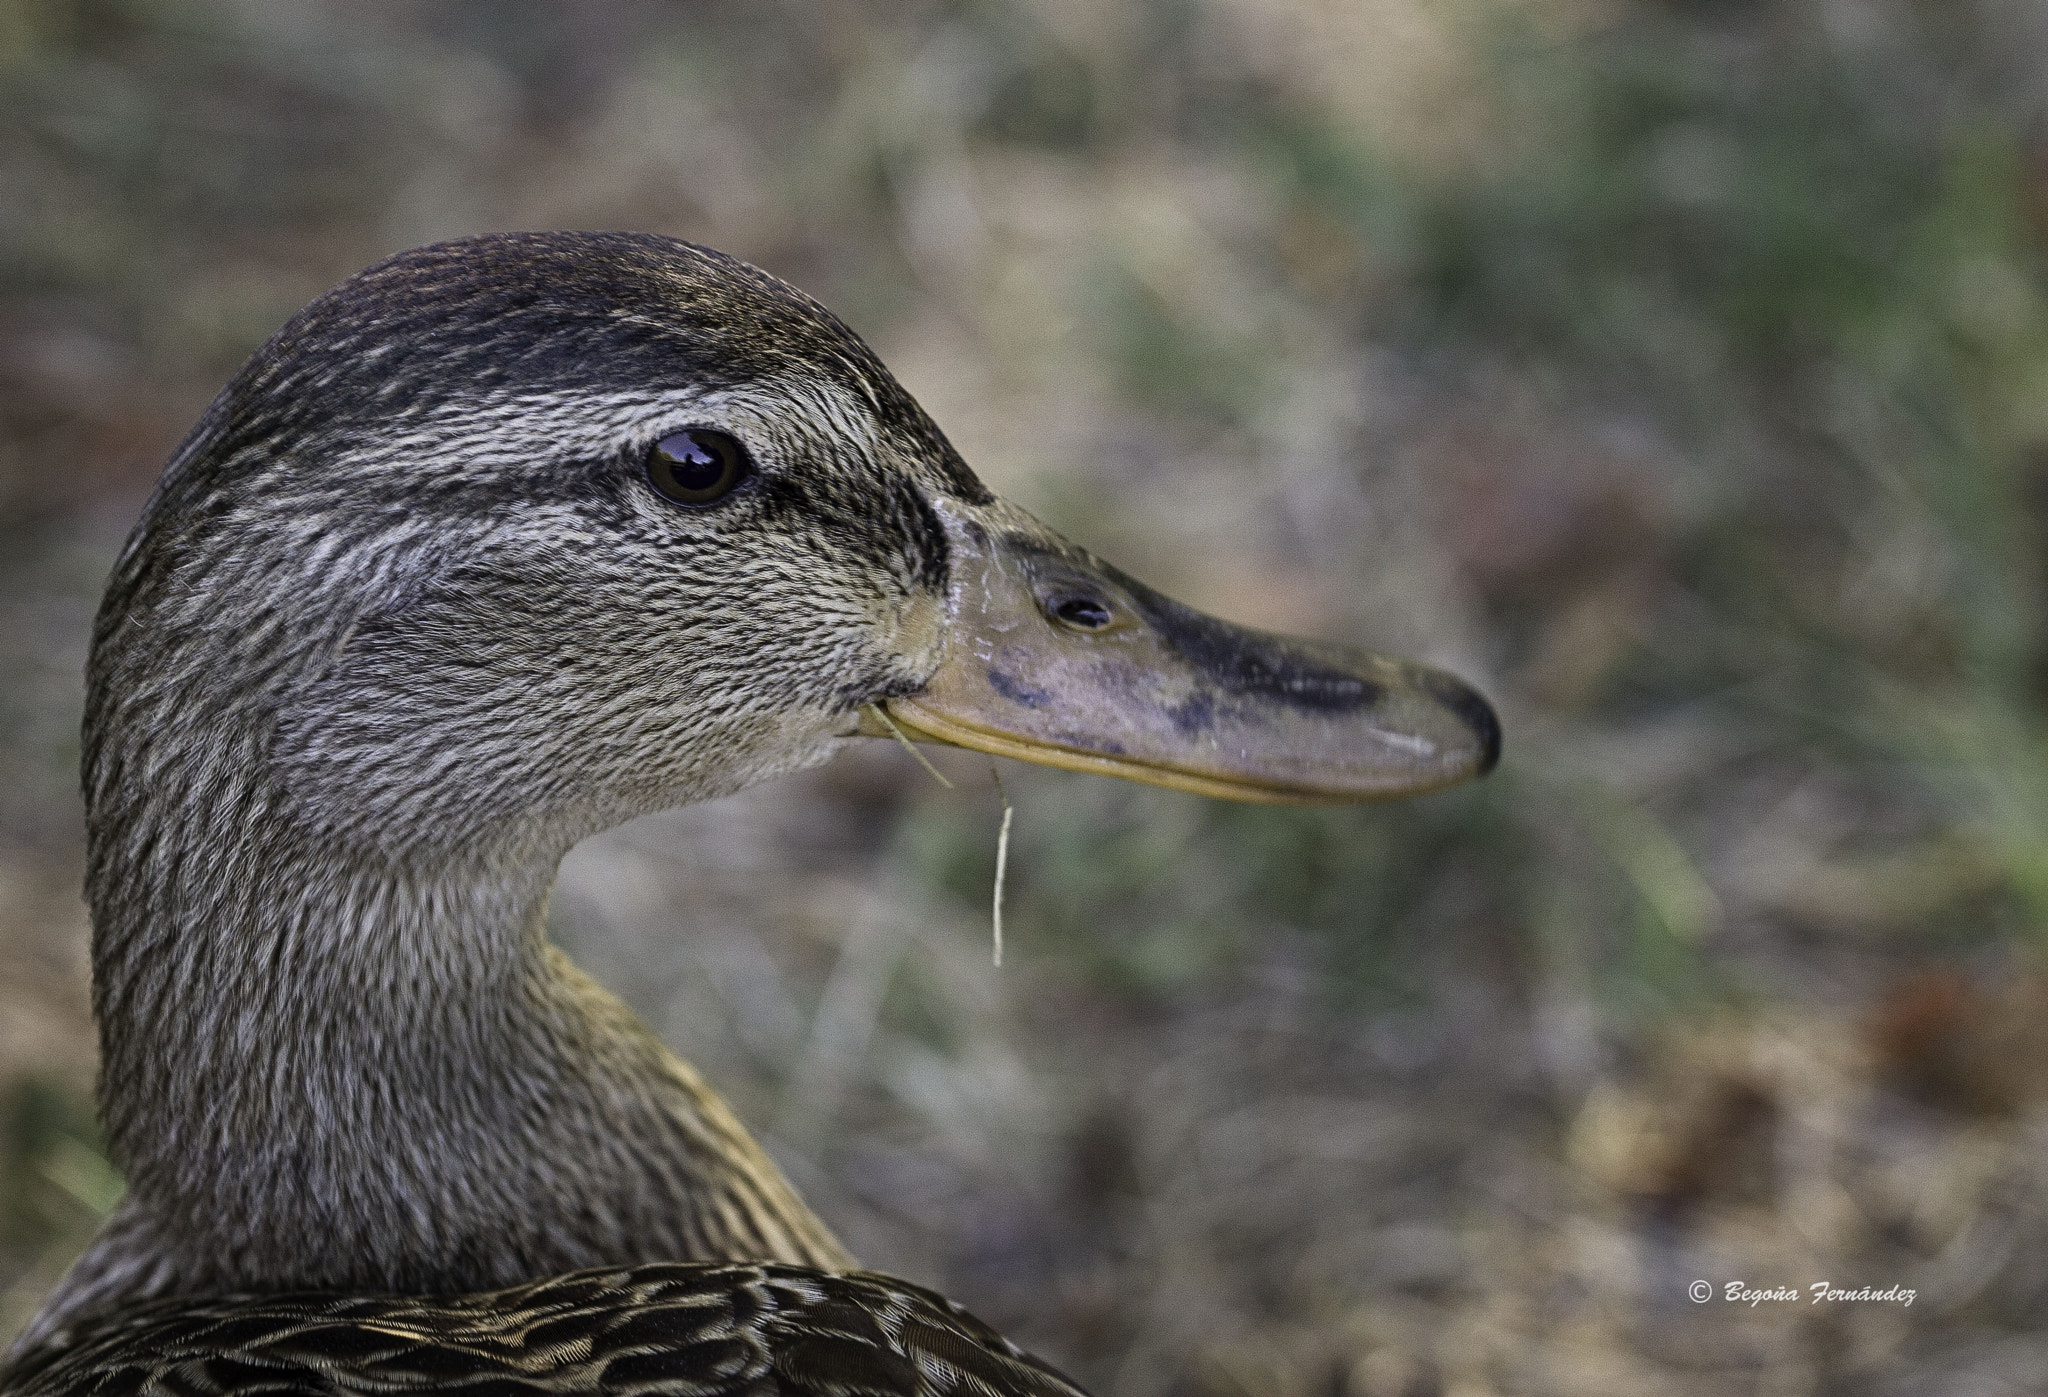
(1016, 691)
(1195, 715)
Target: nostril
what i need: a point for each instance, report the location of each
(1081, 613)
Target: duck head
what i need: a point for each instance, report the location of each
(495, 545)
(508, 539)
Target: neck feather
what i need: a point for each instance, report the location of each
(335, 1071)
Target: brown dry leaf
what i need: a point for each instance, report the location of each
(1951, 1042)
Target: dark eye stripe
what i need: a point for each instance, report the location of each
(697, 467)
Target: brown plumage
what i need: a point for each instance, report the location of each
(708, 1330)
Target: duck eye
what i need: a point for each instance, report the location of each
(697, 467)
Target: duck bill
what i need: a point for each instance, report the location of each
(1052, 656)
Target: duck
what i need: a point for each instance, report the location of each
(496, 545)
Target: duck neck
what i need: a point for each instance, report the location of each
(335, 1072)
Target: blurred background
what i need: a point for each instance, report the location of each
(1678, 369)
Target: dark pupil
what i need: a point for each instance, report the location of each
(690, 463)
(1085, 612)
